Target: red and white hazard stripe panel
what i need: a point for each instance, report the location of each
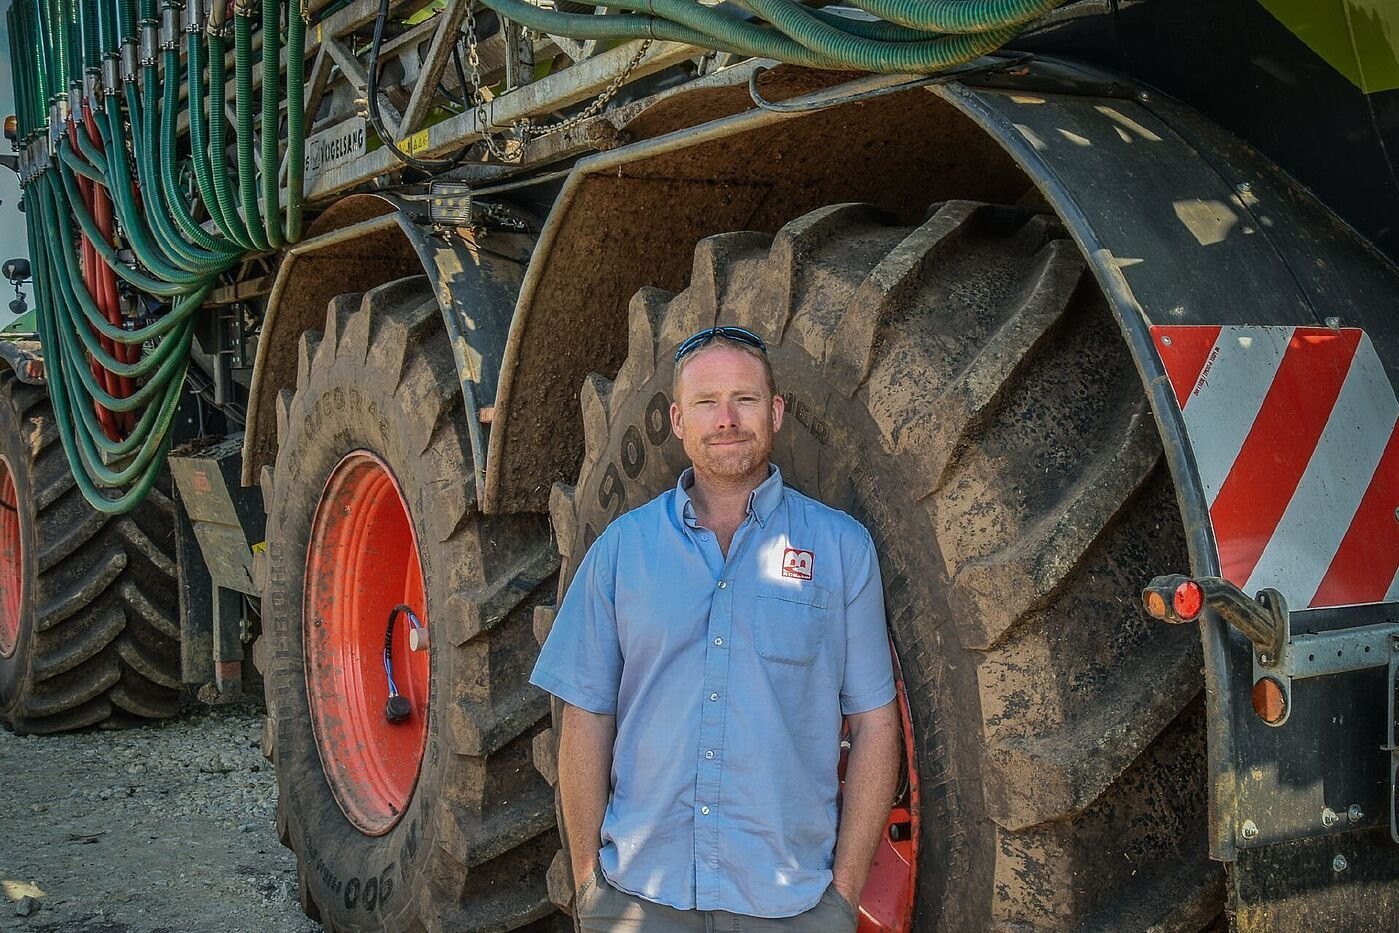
(1295, 432)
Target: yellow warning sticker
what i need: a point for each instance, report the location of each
(416, 143)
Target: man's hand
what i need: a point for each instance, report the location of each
(585, 784)
(871, 776)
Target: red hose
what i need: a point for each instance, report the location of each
(108, 300)
(93, 282)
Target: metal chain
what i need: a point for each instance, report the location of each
(478, 97)
(523, 126)
(596, 106)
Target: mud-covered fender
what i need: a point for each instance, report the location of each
(364, 241)
(1181, 224)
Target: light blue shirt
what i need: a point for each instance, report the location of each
(728, 679)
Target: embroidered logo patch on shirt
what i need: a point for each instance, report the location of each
(797, 563)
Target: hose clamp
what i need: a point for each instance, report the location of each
(90, 84)
(128, 61)
(194, 16)
(55, 127)
(218, 16)
(111, 72)
(169, 27)
(150, 41)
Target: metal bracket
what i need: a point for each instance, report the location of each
(1392, 746)
(1336, 652)
(1278, 657)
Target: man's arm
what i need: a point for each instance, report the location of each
(585, 783)
(871, 776)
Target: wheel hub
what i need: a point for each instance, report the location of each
(363, 562)
(11, 562)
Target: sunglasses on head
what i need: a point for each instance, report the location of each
(729, 332)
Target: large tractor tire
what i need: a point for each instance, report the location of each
(963, 390)
(89, 624)
(438, 821)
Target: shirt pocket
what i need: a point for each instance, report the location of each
(790, 622)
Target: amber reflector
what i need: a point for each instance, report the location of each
(1188, 600)
(11, 127)
(1269, 702)
(1155, 605)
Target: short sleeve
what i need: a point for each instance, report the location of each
(581, 662)
(868, 681)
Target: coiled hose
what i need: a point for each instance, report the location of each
(116, 313)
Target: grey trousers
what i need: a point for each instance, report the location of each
(600, 908)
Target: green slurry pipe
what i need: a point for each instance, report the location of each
(243, 104)
(271, 86)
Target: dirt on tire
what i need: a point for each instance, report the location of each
(470, 847)
(98, 628)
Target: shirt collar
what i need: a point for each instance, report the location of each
(761, 501)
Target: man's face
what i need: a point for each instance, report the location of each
(724, 413)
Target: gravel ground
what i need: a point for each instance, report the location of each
(167, 828)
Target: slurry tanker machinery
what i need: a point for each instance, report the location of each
(353, 337)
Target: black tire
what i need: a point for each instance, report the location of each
(99, 635)
(471, 849)
(962, 389)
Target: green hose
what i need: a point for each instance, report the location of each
(944, 33)
(958, 16)
(243, 103)
(199, 148)
(160, 287)
(90, 473)
(223, 191)
(271, 86)
(169, 162)
(296, 121)
(143, 116)
(118, 184)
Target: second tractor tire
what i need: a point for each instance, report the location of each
(470, 849)
(90, 634)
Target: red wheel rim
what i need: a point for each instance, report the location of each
(886, 903)
(361, 563)
(11, 562)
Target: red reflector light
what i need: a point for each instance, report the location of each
(1188, 600)
(1269, 702)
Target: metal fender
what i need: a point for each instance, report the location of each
(374, 239)
(1183, 225)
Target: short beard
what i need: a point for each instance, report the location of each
(735, 466)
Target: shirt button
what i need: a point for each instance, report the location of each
(718, 641)
(704, 810)
(709, 754)
(714, 696)
(704, 537)
(723, 584)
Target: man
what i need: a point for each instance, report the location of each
(706, 651)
